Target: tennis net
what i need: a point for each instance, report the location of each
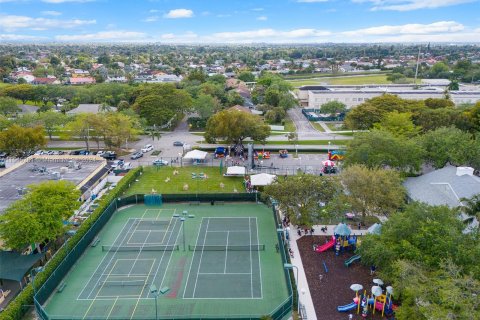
(150, 222)
(141, 248)
(253, 247)
(112, 283)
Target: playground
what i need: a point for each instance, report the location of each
(332, 289)
(200, 260)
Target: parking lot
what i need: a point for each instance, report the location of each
(12, 184)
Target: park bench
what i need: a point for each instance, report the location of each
(61, 286)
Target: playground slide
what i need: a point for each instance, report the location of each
(347, 307)
(326, 246)
(348, 262)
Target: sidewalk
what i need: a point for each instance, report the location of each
(305, 297)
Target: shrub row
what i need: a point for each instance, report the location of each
(17, 308)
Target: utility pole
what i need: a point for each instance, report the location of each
(416, 69)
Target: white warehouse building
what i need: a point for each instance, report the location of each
(351, 96)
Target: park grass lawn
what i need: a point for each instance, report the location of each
(347, 134)
(334, 126)
(317, 126)
(289, 125)
(153, 178)
(345, 80)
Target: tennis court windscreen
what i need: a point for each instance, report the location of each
(253, 247)
(141, 248)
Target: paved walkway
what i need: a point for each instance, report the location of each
(302, 284)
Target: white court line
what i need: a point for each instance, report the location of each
(93, 301)
(201, 256)
(124, 275)
(111, 259)
(251, 264)
(170, 258)
(163, 253)
(116, 238)
(224, 273)
(111, 298)
(138, 255)
(141, 293)
(226, 254)
(193, 258)
(113, 305)
(259, 264)
(228, 231)
(223, 298)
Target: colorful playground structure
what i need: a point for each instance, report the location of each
(340, 241)
(220, 152)
(378, 301)
(351, 260)
(283, 153)
(259, 155)
(336, 155)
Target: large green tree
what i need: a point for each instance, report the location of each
(372, 191)
(302, 197)
(379, 148)
(333, 107)
(22, 92)
(234, 126)
(21, 141)
(448, 145)
(38, 217)
(398, 124)
(52, 121)
(8, 106)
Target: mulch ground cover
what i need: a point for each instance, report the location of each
(334, 288)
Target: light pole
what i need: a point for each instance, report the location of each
(291, 266)
(156, 293)
(328, 146)
(182, 219)
(34, 272)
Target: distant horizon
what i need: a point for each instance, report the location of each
(240, 22)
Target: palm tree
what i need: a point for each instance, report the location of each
(471, 208)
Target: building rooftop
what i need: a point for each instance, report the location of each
(37, 169)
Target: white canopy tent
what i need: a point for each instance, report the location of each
(195, 155)
(235, 171)
(262, 179)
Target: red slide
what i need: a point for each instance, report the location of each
(326, 246)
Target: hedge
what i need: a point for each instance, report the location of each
(16, 309)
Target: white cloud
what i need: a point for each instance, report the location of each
(51, 13)
(12, 22)
(150, 19)
(262, 18)
(408, 5)
(414, 28)
(18, 37)
(269, 35)
(117, 35)
(311, 1)
(188, 36)
(179, 13)
(153, 11)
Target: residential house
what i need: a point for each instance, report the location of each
(81, 80)
(89, 108)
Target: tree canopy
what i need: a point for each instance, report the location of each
(234, 126)
(372, 191)
(302, 197)
(20, 141)
(38, 217)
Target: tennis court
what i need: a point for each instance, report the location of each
(214, 261)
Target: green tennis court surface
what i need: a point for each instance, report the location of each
(224, 264)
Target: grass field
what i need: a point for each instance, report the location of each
(317, 126)
(243, 283)
(335, 126)
(155, 177)
(346, 80)
(290, 126)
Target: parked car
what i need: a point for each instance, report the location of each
(39, 152)
(117, 163)
(84, 152)
(109, 155)
(147, 148)
(178, 144)
(100, 152)
(160, 162)
(50, 153)
(3, 154)
(136, 155)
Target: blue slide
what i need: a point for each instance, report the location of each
(347, 307)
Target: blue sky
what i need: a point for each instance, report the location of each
(234, 21)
